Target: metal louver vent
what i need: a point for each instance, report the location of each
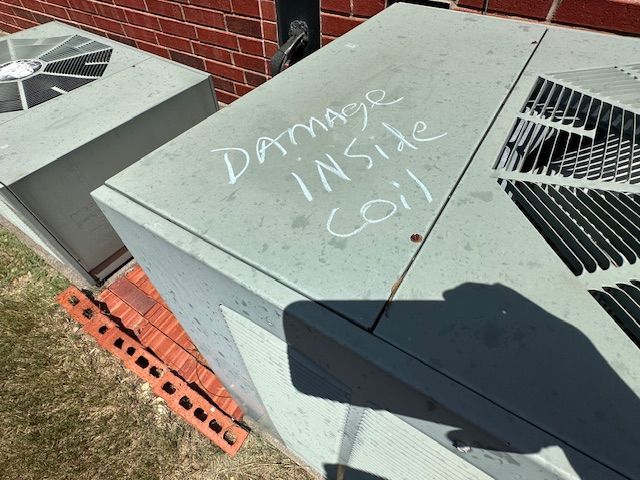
(33, 71)
(588, 228)
(571, 163)
(622, 302)
(579, 125)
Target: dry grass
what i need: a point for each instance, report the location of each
(69, 410)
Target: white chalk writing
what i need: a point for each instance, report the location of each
(335, 169)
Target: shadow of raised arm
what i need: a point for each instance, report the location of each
(503, 347)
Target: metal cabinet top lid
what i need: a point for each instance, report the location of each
(79, 86)
(327, 176)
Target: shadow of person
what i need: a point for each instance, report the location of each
(502, 347)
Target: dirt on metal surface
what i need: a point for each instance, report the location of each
(70, 410)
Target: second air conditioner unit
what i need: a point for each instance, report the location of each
(75, 109)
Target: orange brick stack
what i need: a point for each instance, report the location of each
(141, 331)
(137, 304)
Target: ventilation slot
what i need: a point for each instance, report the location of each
(622, 302)
(90, 65)
(41, 88)
(619, 84)
(588, 229)
(9, 97)
(561, 130)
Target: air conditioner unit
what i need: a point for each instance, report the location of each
(75, 109)
(390, 252)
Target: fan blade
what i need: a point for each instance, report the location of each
(68, 48)
(32, 48)
(31, 51)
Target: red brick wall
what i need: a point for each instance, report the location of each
(231, 39)
(621, 16)
(234, 39)
(340, 16)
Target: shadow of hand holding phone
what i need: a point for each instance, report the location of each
(503, 347)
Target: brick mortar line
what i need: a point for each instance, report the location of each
(152, 14)
(552, 10)
(224, 12)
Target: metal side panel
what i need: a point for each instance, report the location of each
(188, 273)
(26, 226)
(490, 304)
(316, 170)
(460, 421)
(58, 193)
(312, 427)
(192, 292)
(391, 449)
(46, 244)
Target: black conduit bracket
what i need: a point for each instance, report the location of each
(290, 51)
(298, 32)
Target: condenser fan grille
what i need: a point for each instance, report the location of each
(71, 48)
(91, 65)
(580, 125)
(37, 70)
(589, 229)
(622, 302)
(571, 163)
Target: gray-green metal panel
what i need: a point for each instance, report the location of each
(175, 263)
(190, 244)
(24, 224)
(316, 433)
(489, 304)
(429, 94)
(388, 448)
(131, 132)
(195, 278)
